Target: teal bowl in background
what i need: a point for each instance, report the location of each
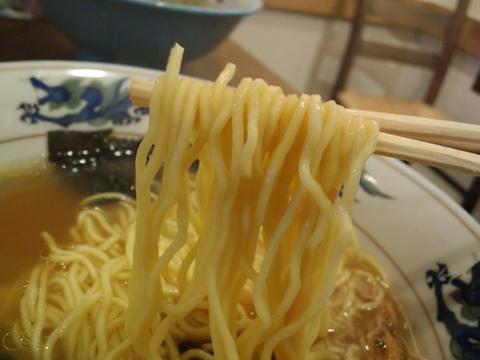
(141, 32)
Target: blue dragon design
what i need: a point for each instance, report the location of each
(95, 103)
(465, 338)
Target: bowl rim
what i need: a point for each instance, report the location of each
(256, 6)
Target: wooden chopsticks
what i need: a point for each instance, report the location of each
(454, 134)
(403, 137)
(426, 153)
(140, 91)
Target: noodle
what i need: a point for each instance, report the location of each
(242, 179)
(252, 257)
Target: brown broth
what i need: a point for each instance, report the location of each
(33, 199)
(30, 204)
(36, 198)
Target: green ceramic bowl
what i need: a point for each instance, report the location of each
(141, 32)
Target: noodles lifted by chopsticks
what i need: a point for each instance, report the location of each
(278, 175)
(238, 261)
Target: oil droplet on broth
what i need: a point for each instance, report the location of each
(8, 342)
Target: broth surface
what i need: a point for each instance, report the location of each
(33, 198)
(37, 199)
(30, 204)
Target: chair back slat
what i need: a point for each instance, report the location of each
(388, 52)
(408, 14)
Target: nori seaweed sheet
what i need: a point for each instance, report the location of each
(95, 161)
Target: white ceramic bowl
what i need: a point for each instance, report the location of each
(409, 232)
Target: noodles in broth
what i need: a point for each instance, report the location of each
(252, 257)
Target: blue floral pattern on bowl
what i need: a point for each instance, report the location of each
(464, 335)
(77, 100)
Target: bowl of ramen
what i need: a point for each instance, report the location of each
(218, 223)
(142, 31)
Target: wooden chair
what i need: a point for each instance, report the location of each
(393, 12)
